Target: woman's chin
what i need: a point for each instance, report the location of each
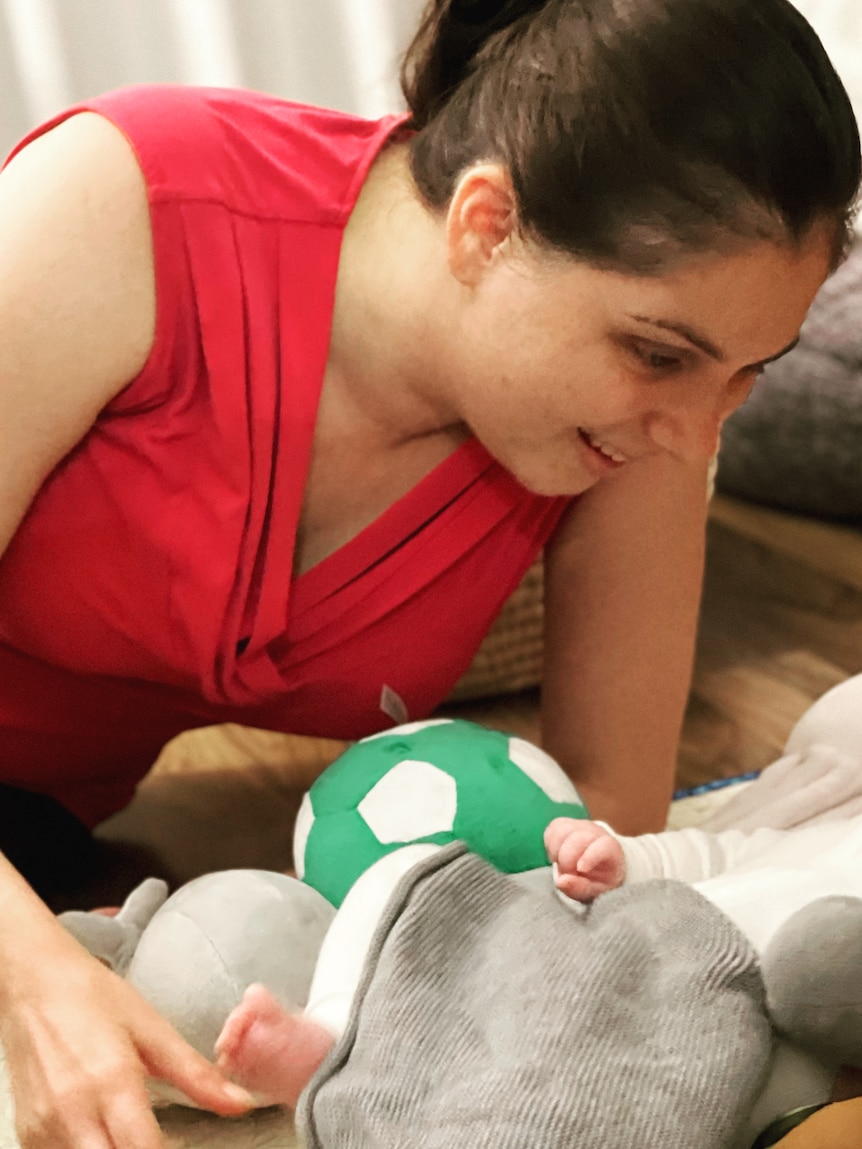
(553, 485)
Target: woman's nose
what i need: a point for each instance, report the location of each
(689, 426)
(689, 433)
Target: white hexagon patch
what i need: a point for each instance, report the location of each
(414, 800)
(544, 770)
(301, 830)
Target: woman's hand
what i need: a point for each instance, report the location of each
(80, 1044)
(587, 860)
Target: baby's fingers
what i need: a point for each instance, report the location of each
(588, 866)
(579, 889)
(578, 846)
(558, 831)
(603, 861)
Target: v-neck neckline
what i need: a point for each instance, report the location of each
(449, 478)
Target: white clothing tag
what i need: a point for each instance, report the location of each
(392, 704)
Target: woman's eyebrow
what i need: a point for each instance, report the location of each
(697, 339)
(692, 336)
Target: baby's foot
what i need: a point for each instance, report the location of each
(586, 858)
(268, 1050)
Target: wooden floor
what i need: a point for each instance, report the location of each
(781, 624)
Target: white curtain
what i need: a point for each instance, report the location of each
(839, 25)
(338, 53)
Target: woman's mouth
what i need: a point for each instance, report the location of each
(606, 451)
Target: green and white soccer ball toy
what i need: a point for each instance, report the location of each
(439, 781)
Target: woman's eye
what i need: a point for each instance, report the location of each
(655, 359)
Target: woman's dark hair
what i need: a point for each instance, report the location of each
(636, 130)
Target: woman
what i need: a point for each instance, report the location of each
(291, 400)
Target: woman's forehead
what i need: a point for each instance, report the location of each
(747, 302)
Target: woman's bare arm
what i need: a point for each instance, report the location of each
(77, 297)
(623, 582)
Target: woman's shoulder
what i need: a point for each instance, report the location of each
(255, 153)
(76, 297)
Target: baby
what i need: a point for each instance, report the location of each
(760, 879)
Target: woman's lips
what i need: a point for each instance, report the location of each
(606, 453)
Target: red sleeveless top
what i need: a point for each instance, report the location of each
(149, 588)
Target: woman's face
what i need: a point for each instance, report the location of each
(567, 373)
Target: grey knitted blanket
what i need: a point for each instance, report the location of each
(491, 1015)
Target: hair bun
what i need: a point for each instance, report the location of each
(636, 131)
(475, 12)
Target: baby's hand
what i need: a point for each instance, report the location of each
(587, 860)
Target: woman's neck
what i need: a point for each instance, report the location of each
(387, 355)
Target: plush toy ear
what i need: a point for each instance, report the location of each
(114, 940)
(833, 721)
(818, 776)
(813, 974)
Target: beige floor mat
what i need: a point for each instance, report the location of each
(188, 1128)
(266, 1129)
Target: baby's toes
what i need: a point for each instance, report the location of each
(235, 1031)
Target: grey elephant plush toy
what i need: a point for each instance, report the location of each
(193, 955)
(812, 972)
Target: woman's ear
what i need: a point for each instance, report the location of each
(481, 218)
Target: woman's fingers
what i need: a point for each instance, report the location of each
(130, 1123)
(165, 1055)
(104, 1109)
(79, 1048)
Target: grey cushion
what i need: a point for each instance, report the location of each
(797, 443)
